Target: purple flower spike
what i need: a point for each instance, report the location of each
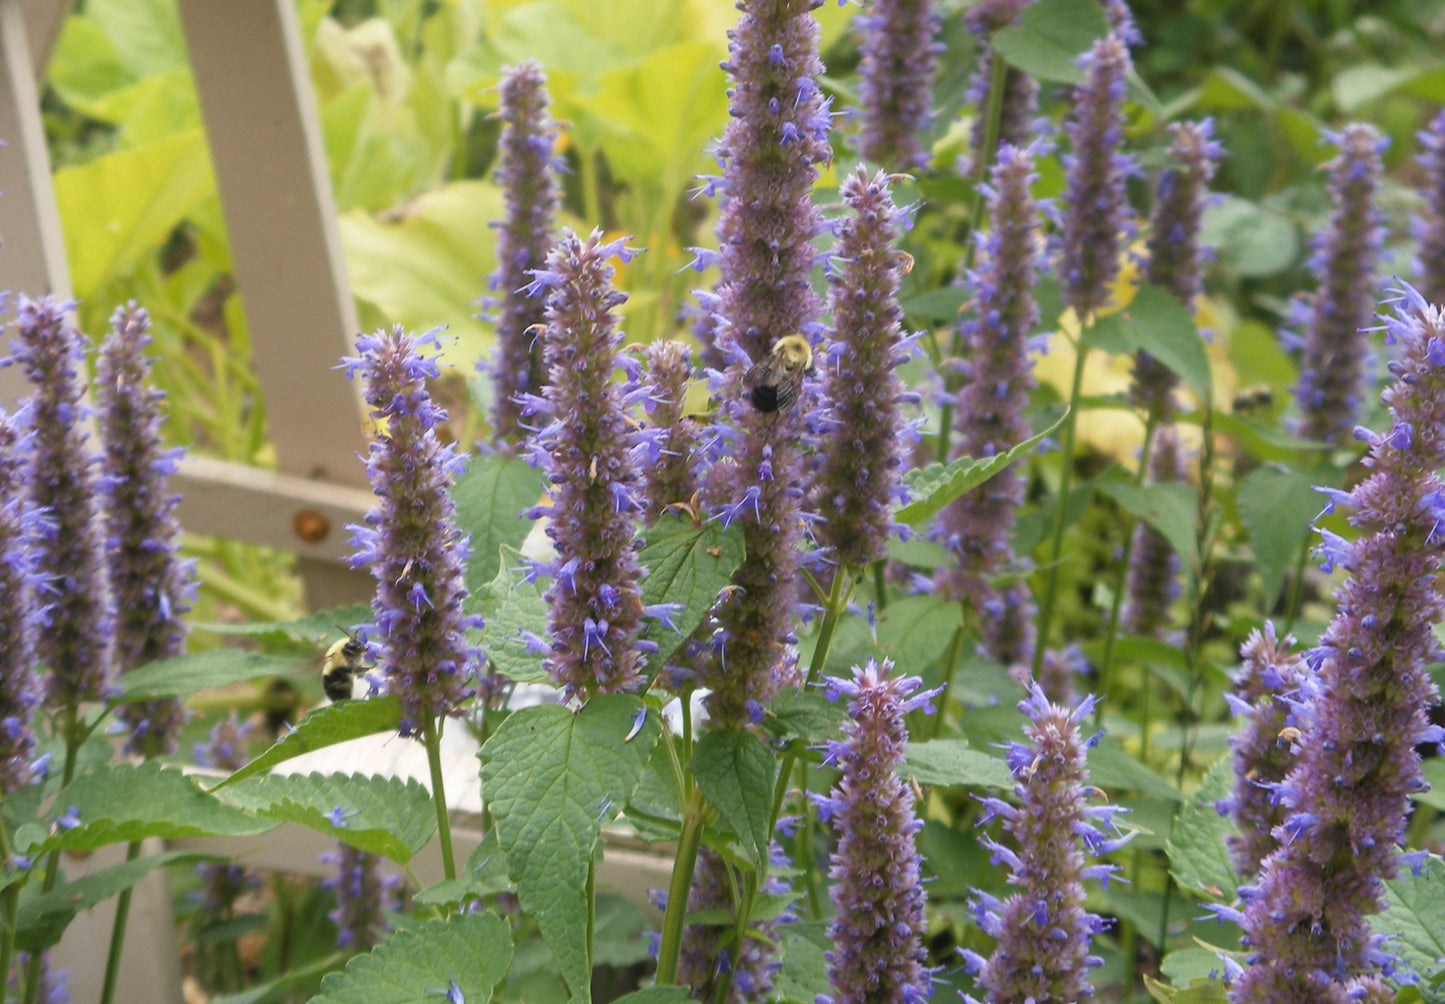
(989, 411)
(363, 894)
(152, 587)
(877, 932)
(1152, 581)
(863, 444)
(410, 541)
(1269, 678)
(1043, 931)
(1019, 104)
(1330, 323)
(899, 47)
(76, 644)
(596, 480)
(1095, 202)
(223, 884)
(527, 174)
(669, 449)
(1346, 799)
(20, 612)
(1430, 227)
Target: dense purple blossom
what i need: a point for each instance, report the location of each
(1043, 932)
(1060, 671)
(863, 441)
(363, 894)
(1330, 323)
(1347, 797)
(526, 173)
(151, 586)
(669, 442)
(1018, 106)
(587, 450)
(878, 955)
(997, 378)
(76, 644)
(1095, 204)
(410, 540)
(1430, 226)
(1151, 583)
(898, 51)
(20, 612)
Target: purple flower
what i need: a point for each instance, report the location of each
(1121, 22)
(20, 613)
(1095, 202)
(877, 932)
(151, 586)
(1346, 799)
(223, 884)
(898, 51)
(1266, 689)
(1152, 581)
(1019, 103)
(1330, 323)
(997, 378)
(1043, 932)
(1430, 227)
(526, 172)
(363, 893)
(864, 438)
(595, 600)
(53, 986)
(1059, 670)
(76, 642)
(668, 445)
(410, 540)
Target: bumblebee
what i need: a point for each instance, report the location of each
(774, 383)
(344, 662)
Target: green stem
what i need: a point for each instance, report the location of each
(9, 909)
(74, 734)
(1297, 587)
(683, 866)
(950, 666)
(117, 932)
(724, 986)
(803, 855)
(432, 738)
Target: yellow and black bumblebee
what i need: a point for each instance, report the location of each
(345, 661)
(774, 383)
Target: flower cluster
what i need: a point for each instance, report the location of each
(222, 884)
(1430, 227)
(363, 894)
(877, 932)
(899, 47)
(20, 613)
(1347, 797)
(588, 453)
(152, 588)
(1043, 931)
(526, 173)
(1151, 583)
(1018, 104)
(1331, 323)
(671, 435)
(410, 541)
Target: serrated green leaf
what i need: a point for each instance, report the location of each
(1156, 322)
(689, 565)
(936, 485)
(421, 964)
(510, 605)
(805, 715)
(947, 762)
(1114, 770)
(1171, 509)
(1276, 508)
(322, 727)
(1414, 923)
(1198, 846)
(804, 972)
(553, 779)
(494, 489)
(127, 802)
(736, 773)
(189, 674)
(1189, 964)
(916, 631)
(316, 630)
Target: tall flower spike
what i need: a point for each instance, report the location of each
(363, 894)
(223, 884)
(1018, 104)
(1095, 202)
(1430, 227)
(76, 645)
(1331, 322)
(670, 441)
(1268, 680)
(989, 410)
(1043, 932)
(526, 172)
(1347, 798)
(863, 443)
(587, 449)
(1152, 581)
(20, 612)
(899, 48)
(410, 540)
(878, 955)
(152, 587)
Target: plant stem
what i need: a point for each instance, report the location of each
(432, 738)
(74, 735)
(683, 866)
(950, 666)
(9, 908)
(117, 932)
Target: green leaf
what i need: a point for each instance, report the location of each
(419, 965)
(379, 815)
(553, 779)
(806, 715)
(1198, 992)
(1114, 770)
(510, 605)
(939, 306)
(189, 674)
(489, 496)
(1415, 921)
(1171, 509)
(917, 630)
(1276, 508)
(619, 927)
(1250, 240)
(690, 565)
(668, 994)
(119, 804)
(43, 920)
(316, 630)
(1189, 964)
(936, 485)
(1364, 83)
(736, 772)
(948, 762)
(1197, 847)
(322, 727)
(266, 990)
(1159, 324)
(804, 972)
